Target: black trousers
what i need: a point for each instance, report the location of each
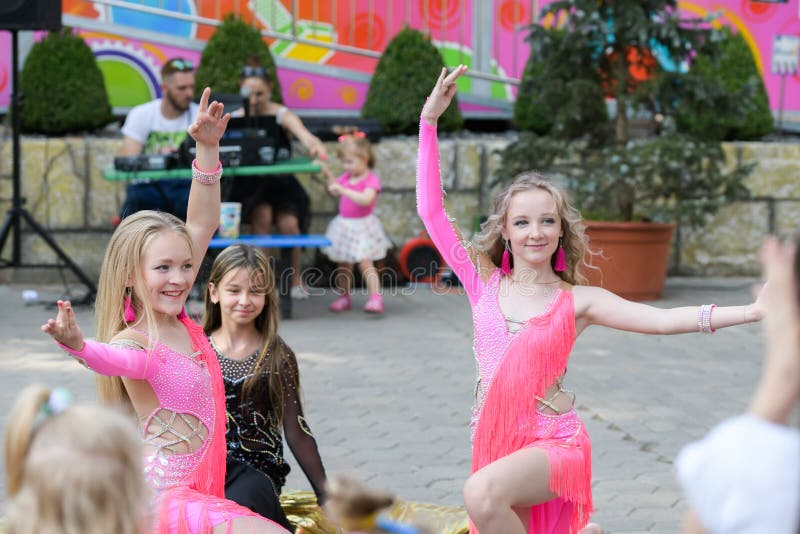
(249, 487)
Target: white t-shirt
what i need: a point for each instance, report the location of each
(743, 477)
(158, 135)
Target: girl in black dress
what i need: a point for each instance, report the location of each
(262, 383)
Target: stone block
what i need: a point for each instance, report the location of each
(53, 183)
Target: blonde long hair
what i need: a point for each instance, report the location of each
(74, 472)
(273, 356)
(575, 242)
(122, 269)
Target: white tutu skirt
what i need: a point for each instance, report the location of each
(356, 239)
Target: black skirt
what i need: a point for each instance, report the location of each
(249, 487)
(281, 191)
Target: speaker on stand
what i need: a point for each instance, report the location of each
(18, 15)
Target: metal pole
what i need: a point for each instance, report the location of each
(780, 105)
(16, 243)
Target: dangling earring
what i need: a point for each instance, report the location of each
(129, 315)
(183, 314)
(561, 258)
(505, 265)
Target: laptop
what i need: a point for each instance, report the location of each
(248, 141)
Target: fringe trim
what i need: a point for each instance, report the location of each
(571, 480)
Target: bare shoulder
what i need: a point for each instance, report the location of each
(585, 296)
(130, 338)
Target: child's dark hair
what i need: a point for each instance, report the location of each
(273, 357)
(351, 138)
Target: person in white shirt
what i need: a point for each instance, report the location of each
(159, 127)
(743, 477)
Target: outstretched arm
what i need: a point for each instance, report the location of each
(594, 305)
(430, 196)
(312, 143)
(202, 213)
(105, 359)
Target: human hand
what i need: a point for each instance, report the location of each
(335, 189)
(317, 151)
(442, 94)
(210, 124)
(64, 328)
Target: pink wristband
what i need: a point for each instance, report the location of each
(206, 178)
(704, 319)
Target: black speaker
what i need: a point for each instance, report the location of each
(30, 14)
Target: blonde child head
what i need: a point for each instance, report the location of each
(574, 241)
(72, 469)
(355, 143)
(121, 272)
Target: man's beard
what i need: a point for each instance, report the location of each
(174, 103)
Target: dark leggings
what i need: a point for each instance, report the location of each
(253, 489)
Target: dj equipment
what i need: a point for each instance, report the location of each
(259, 140)
(147, 162)
(330, 128)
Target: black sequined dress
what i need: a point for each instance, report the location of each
(253, 434)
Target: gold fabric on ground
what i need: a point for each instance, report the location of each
(302, 511)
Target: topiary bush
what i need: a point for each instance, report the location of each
(741, 90)
(63, 88)
(227, 51)
(402, 80)
(551, 99)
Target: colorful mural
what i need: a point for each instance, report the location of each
(131, 46)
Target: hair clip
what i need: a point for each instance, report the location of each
(60, 399)
(358, 134)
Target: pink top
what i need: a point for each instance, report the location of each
(492, 338)
(350, 209)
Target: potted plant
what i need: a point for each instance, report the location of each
(640, 171)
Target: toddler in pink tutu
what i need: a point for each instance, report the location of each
(356, 234)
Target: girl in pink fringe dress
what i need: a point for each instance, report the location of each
(531, 454)
(151, 358)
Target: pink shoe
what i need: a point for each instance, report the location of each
(374, 304)
(341, 304)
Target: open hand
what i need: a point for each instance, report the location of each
(210, 124)
(442, 94)
(64, 328)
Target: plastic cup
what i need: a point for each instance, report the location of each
(230, 215)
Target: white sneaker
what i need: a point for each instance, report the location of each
(299, 292)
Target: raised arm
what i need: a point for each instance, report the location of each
(778, 391)
(594, 305)
(109, 360)
(202, 214)
(430, 195)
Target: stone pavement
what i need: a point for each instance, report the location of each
(389, 397)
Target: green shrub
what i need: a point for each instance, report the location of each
(63, 87)
(551, 99)
(227, 51)
(402, 80)
(739, 109)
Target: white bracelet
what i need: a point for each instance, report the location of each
(704, 319)
(206, 178)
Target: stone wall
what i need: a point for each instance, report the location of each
(66, 192)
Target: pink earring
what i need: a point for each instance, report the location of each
(183, 314)
(505, 265)
(561, 259)
(129, 315)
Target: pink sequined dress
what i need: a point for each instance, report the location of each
(188, 486)
(513, 368)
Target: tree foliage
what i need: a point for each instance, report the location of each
(234, 42)
(63, 88)
(402, 80)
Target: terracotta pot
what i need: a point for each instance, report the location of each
(634, 257)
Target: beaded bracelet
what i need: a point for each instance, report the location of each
(704, 319)
(206, 178)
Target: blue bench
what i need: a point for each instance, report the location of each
(284, 242)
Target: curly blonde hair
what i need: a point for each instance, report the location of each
(575, 242)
